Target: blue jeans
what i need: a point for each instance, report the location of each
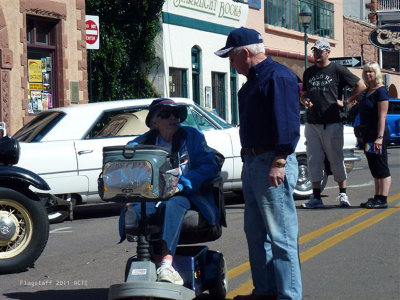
(169, 215)
(270, 224)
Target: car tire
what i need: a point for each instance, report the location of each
(303, 189)
(28, 218)
(58, 216)
(59, 213)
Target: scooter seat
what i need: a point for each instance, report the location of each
(195, 229)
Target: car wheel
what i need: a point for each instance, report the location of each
(303, 189)
(58, 216)
(220, 288)
(25, 231)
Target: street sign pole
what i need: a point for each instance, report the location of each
(92, 43)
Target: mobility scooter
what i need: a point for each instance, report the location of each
(141, 174)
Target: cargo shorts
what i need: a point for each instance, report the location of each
(325, 139)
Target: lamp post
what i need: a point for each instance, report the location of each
(305, 19)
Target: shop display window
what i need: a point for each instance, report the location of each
(41, 44)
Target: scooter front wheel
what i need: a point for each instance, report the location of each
(24, 230)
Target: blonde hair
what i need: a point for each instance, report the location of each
(372, 66)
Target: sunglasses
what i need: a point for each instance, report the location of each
(165, 114)
(317, 51)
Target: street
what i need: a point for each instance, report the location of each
(346, 253)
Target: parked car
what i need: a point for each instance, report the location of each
(393, 121)
(64, 145)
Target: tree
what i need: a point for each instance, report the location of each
(127, 31)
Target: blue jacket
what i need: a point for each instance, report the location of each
(200, 164)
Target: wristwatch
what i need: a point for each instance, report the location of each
(277, 164)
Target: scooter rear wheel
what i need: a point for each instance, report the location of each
(219, 290)
(25, 230)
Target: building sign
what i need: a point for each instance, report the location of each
(92, 32)
(354, 61)
(386, 37)
(256, 4)
(222, 12)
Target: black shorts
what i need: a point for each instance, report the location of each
(378, 163)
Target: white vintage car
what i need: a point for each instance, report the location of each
(64, 146)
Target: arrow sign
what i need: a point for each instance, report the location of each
(354, 61)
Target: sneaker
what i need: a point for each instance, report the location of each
(343, 200)
(169, 275)
(313, 203)
(363, 204)
(376, 203)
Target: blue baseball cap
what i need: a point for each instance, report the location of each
(239, 37)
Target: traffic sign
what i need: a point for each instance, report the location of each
(92, 32)
(352, 61)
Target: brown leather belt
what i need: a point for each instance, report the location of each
(255, 151)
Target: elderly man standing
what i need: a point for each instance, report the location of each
(269, 116)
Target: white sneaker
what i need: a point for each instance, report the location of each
(313, 203)
(343, 199)
(169, 275)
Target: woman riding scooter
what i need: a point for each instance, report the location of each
(196, 162)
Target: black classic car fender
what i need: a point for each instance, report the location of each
(12, 174)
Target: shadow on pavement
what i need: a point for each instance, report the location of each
(84, 294)
(98, 294)
(326, 207)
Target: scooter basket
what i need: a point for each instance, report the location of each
(140, 171)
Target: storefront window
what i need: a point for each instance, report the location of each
(196, 74)
(285, 13)
(218, 94)
(177, 82)
(41, 42)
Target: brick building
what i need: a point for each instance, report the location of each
(43, 57)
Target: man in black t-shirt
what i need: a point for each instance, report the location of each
(322, 92)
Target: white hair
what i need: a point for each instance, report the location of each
(254, 49)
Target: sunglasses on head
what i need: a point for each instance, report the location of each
(165, 114)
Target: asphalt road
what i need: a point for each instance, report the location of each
(348, 253)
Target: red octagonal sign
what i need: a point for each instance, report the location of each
(92, 32)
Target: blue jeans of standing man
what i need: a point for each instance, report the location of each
(270, 224)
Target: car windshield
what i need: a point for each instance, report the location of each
(221, 122)
(36, 129)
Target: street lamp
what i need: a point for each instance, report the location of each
(305, 19)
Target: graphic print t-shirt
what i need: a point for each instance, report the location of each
(324, 86)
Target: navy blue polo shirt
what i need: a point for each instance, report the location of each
(269, 108)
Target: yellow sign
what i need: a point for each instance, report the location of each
(35, 70)
(36, 86)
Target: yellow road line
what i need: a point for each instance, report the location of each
(341, 236)
(309, 236)
(308, 254)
